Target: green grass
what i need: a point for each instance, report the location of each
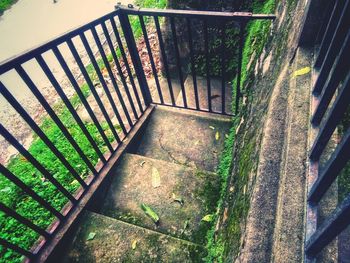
(5, 4)
(257, 33)
(134, 20)
(15, 198)
(215, 247)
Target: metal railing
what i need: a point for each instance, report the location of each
(119, 75)
(331, 95)
(181, 24)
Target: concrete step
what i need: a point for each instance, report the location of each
(216, 96)
(181, 196)
(289, 229)
(191, 139)
(275, 223)
(103, 239)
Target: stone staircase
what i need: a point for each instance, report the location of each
(275, 225)
(170, 169)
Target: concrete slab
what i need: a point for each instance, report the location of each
(179, 195)
(216, 96)
(103, 239)
(192, 140)
(164, 88)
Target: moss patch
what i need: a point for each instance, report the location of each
(235, 189)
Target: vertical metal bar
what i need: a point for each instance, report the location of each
(81, 96)
(70, 107)
(111, 76)
(193, 67)
(17, 106)
(12, 140)
(331, 170)
(57, 120)
(328, 34)
(126, 64)
(223, 67)
(17, 249)
(333, 49)
(130, 41)
(14, 179)
(90, 84)
(335, 115)
(153, 66)
(207, 62)
(165, 62)
(341, 67)
(178, 60)
(105, 88)
(239, 66)
(120, 72)
(331, 227)
(8, 211)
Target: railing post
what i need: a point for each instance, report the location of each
(239, 67)
(130, 41)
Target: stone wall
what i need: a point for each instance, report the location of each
(265, 91)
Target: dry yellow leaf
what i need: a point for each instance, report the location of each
(302, 71)
(217, 135)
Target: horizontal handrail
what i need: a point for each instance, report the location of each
(193, 13)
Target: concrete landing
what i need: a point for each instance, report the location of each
(216, 96)
(189, 139)
(164, 88)
(103, 239)
(179, 195)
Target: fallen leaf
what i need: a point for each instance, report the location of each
(74, 182)
(149, 211)
(155, 177)
(217, 135)
(302, 71)
(185, 226)
(133, 245)
(225, 215)
(208, 218)
(91, 236)
(178, 199)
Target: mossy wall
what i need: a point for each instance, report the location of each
(268, 47)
